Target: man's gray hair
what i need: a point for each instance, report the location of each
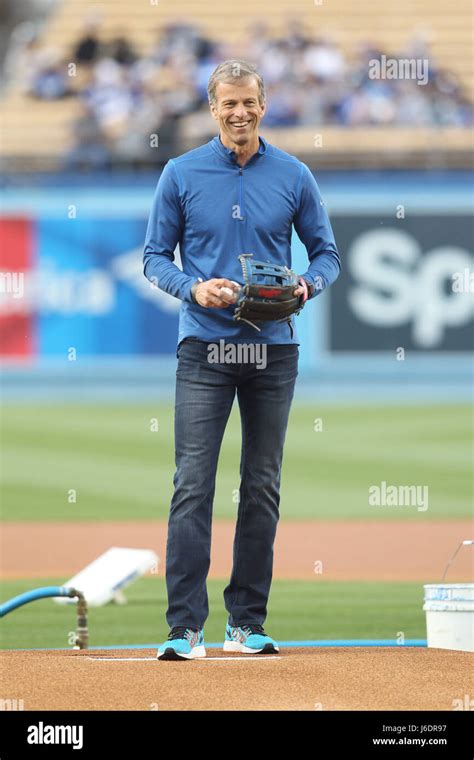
(231, 71)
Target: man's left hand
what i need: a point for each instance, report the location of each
(302, 290)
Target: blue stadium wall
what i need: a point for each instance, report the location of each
(405, 240)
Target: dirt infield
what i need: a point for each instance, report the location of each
(339, 678)
(332, 678)
(349, 550)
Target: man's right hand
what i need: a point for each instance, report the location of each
(209, 294)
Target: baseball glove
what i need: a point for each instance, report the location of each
(267, 294)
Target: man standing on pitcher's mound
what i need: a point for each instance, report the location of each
(234, 195)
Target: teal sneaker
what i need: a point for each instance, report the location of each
(249, 639)
(183, 644)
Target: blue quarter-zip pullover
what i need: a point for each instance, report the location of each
(216, 210)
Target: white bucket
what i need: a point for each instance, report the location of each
(449, 611)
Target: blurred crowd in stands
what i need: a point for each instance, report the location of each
(126, 96)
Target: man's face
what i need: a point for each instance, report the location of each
(237, 110)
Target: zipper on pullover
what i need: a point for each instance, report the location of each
(241, 194)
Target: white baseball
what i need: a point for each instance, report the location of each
(228, 292)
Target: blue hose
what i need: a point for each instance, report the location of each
(31, 596)
(82, 632)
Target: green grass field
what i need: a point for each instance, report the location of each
(122, 470)
(297, 611)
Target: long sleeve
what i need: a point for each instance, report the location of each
(163, 233)
(314, 229)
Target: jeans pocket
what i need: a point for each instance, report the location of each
(185, 345)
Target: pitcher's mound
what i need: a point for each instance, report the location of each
(339, 678)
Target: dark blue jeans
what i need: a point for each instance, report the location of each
(205, 393)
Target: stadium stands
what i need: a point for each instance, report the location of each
(323, 109)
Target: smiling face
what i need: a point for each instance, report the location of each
(238, 111)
